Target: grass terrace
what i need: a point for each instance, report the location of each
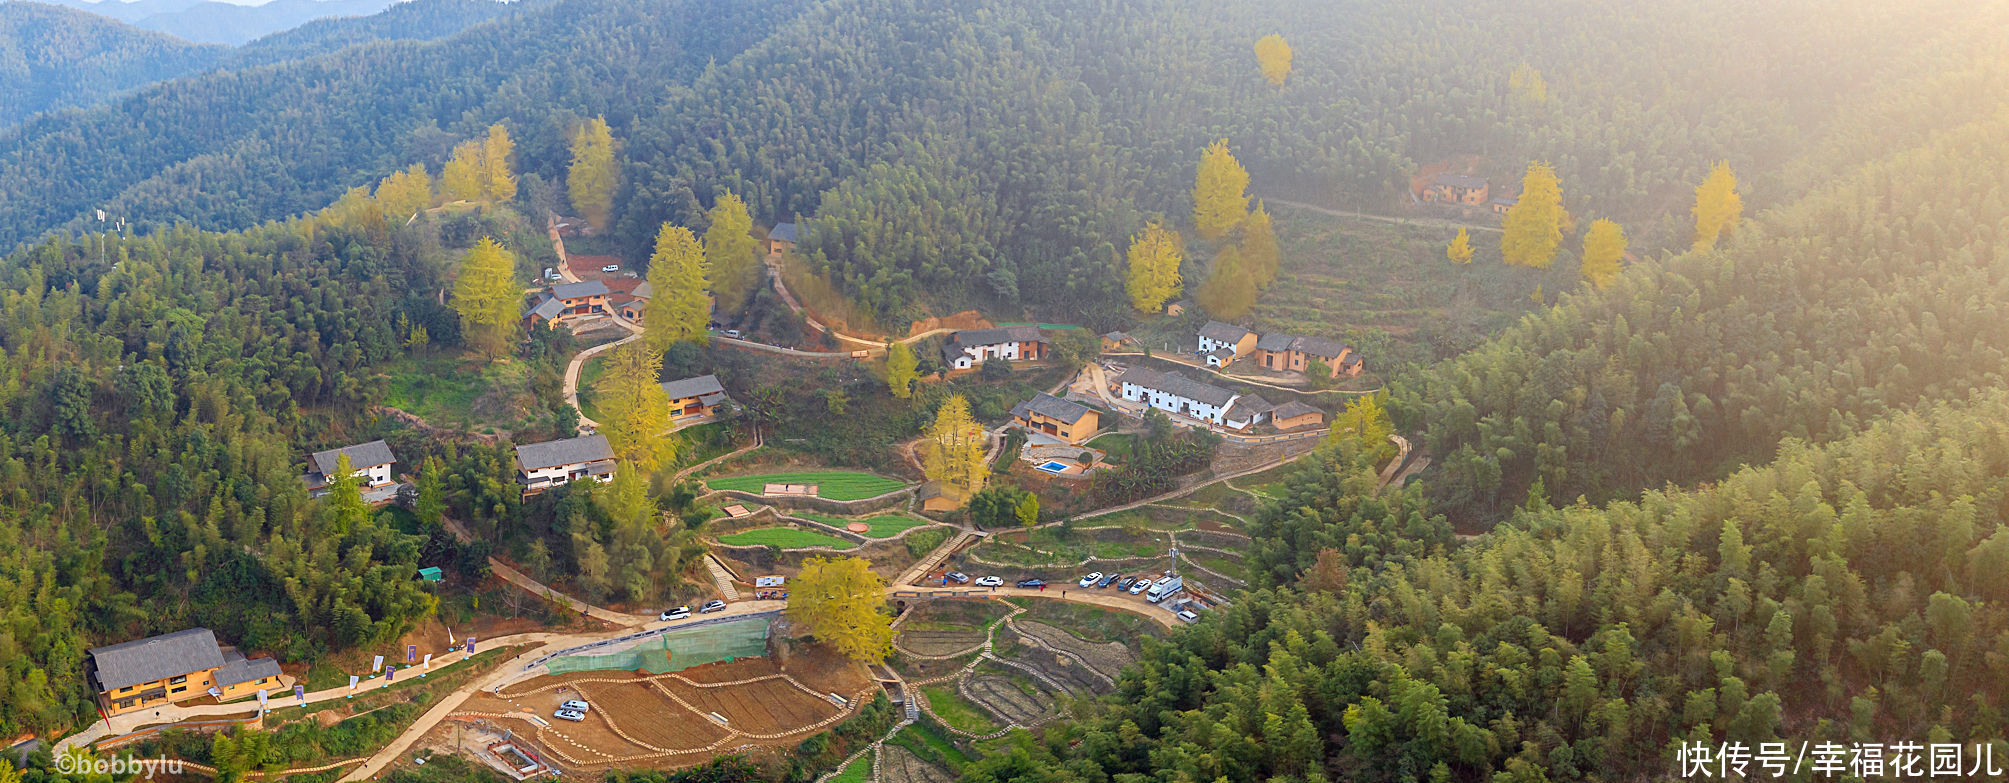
(786, 538)
(833, 485)
(882, 526)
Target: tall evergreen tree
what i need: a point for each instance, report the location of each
(1220, 192)
(1603, 252)
(636, 411)
(593, 175)
(1153, 275)
(681, 307)
(731, 253)
(1533, 228)
(1260, 254)
(498, 178)
(1273, 54)
(1229, 293)
(1718, 207)
(901, 370)
(487, 296)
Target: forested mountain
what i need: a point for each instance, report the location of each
(53, 57)
(963, 186)
(1841, 594)
(211, 21)
(1873, 296)
(156, 393)
(228, 149)
(412, 20)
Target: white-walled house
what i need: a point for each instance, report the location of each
(1175, 393)
(541, 466)
(371, 462)
(971, 347)
(1223, 343)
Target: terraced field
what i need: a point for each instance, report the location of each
(902, 766)
(786, 538)
(882, 526)
(834, 484)
(1011, 698)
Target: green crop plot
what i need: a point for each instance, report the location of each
(835, 484)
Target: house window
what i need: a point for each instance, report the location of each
(177, 689)
(178, 680)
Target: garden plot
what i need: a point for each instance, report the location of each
(761, 708)
(1108, 658)
(933, 643)
(1012, 696)
(900, 765)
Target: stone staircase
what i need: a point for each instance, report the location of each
(935, 558)
(722, 578)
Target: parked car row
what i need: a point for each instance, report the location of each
(682, 612)
(1153, 590)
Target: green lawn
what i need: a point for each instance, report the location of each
(958, 712)
(883, 526)
(443, 389)
(857, 771)
(786, 538)
(834, 484)
(1116, 445)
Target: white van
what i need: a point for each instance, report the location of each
(1164, 587)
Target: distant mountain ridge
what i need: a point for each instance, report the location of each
(208, 21)
(54, 58)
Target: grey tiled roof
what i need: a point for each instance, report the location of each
(1008, 334)
(1460, 181)
(1247, 407)
(552, 453)
(1177, 385)
(783, 231)
(1223, 333)
(545, 306)
(361, 455)
(156, 657)
(242, 670)
(693, 387)
(579, 290)
(1293, 409)
(1321, 347)
(1276, 341)
(643, 291)
(1051, 407)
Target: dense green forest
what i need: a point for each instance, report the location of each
(1873, 296)
(53, 58)
(946, 182)
(229, 149)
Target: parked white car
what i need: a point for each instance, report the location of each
(713, 605)
(1091, 579)
(1188, 616)
(575, 705)
(572, 715)
(611, 268)
(990, 581)
(1141, 586)
(678, 613)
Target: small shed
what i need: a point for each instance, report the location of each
(432, 574)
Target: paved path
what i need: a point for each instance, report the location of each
(537, 588)
(578, 363)
(1418, 222)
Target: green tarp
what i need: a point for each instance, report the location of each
(676, 650)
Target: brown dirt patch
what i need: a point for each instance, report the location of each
(1109, 658)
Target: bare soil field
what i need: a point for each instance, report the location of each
(637, 717)
(931, 643)
(1109, 658)
(956, 614)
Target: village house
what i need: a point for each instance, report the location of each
(1501, 205)
(1352, 365)
(1457, 189)
(541, 466)
(369, 462)
(146, 673)
(567, 302)
(1292, 353)
(971, 347)
(1248, 411)
(695, 398)
(1295, 416)
(632, 304)
(1117, 341)
(1069, 422)
(781, 240)
(1221, 344)
(1175, 393)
